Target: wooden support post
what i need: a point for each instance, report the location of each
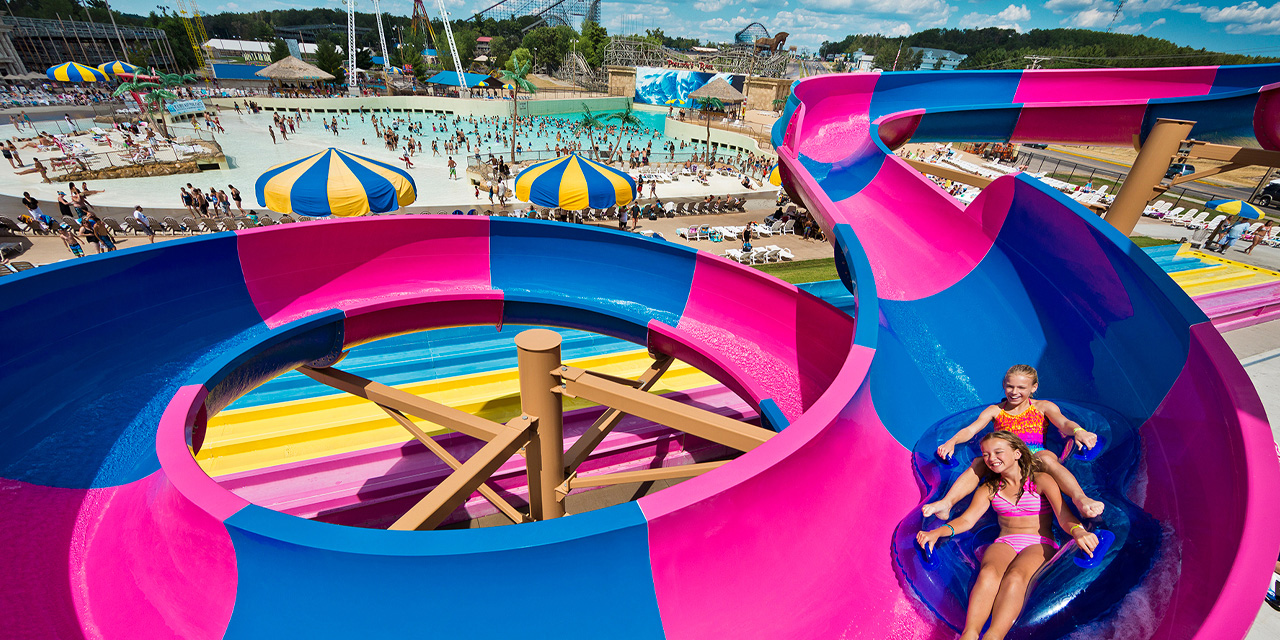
(453, 491)
(643, 475)
(434, 447)
(595, 434)
(537, 355)
(1147, 172)
(703, 424)
(954, 175)
(406, 402)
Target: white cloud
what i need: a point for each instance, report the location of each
(1262, 28)
(1247, 13)
(712, 6)
(1092, 18)
(1010, 18)
(1139, 7)
(922, 8)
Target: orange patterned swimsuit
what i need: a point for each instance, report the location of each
(1029, 425)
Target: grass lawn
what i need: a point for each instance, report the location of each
(1147, 241)
(802, 271)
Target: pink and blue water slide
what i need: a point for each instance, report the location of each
(113, 364)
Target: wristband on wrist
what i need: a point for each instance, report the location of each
(1077, 430)
(953, 529)
(1074, 527)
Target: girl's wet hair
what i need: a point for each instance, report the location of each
(1023, 370)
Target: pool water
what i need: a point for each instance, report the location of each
(250, 153)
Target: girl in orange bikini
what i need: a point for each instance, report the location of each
(1029, 419)
(1018, 491)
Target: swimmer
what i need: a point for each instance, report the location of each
(1017, 489)
(1029, 419)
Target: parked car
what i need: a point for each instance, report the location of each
(1269, 194)
(1177, 170)
(1035, 145)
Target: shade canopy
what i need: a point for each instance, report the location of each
(75, 72)
(574, 182)
(450, 78)
(775, 176)
(334, 182)
(718, 88)
(117, 67)
(1236, 208)
(291, 69)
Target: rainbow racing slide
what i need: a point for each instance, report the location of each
(115, 363)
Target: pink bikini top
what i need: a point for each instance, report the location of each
(1030, 504)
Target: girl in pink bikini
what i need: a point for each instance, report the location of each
(1028, 419)
(1017, 489)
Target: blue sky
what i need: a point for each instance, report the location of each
(1246, 27)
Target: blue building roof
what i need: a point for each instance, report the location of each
(376, 59)
(450, 78)
(237, 71)
(430, 52)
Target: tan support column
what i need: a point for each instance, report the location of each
(1147, 172)
(537, 354)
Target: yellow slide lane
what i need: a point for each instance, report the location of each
(1224, 275)
(256, 437)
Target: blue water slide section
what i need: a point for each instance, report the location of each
(430, 355)
(995, 124)
(303, 579)
(1063, 595)
(1245, 76)
(938, 89)
(1225, 118)
(568, 276)
(1041, 306)
(79, 426)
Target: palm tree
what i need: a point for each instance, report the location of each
(707, 105)
(154, 94)
(515, 78)
(779, 103)
(590, 122)
(626, 118)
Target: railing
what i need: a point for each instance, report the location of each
(657, 159)
(142, 155)
(1073, 173)
(762, 133)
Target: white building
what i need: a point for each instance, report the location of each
(938, 59)
(220, 49)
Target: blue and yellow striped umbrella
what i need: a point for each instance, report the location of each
(117, 67)
(775, 176)
(1236, 208)
(573, 182)
(74, 72)
(334, 182)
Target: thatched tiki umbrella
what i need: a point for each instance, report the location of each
(714, 95)
(291, 69)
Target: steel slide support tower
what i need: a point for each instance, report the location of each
(352, 89)
(453, 49)
(194, 27)
(382, 40)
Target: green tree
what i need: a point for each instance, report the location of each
(330, 60)
(500, 50)
(516, 79)
(626, 118)
(708, 105)
(279, 50)
(592, 44)
(549, 45)
(364, 59)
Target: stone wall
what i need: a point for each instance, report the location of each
(761, 92)
(622, 81)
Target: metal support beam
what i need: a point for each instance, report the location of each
(434, 447)
(537, 354)
(453, 491)
(954, 175)
(444, 415)
(1208, 172)
(1140, 187)
(643, 475)
(703, 424)
(595, 434)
